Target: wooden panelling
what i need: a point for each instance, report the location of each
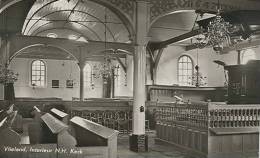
(167, 93)
(213, 129)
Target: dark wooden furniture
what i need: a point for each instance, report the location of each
(244, 83)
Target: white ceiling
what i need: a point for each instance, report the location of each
(79, 17)
(175, 24)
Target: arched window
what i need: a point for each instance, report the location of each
(247, 55)
(38, 73)
(87, 75)
(185, 70)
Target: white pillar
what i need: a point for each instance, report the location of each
(138, 139)
(81, 83)
(139, 91)
(81, 76)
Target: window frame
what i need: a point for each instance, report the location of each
(178, 68)
(45, 74)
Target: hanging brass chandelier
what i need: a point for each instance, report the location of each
(197, 79)
(104, 69)
(217, 34)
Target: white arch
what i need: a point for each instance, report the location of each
(36, 45)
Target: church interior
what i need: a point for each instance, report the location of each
(129, 78)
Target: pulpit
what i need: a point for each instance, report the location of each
(244, 83)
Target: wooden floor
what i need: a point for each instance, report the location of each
(155, 151)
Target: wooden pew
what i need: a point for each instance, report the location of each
(35, 128)
(64, 117)
(7, 135)
(59, 132)
(89, 134)
(17, 124)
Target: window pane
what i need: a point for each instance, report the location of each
(38, 73)
(189, 72)
(180, 66)
(184, 58)
(180, 73)
(189, 66)
(185, 67)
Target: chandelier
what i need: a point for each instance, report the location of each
(104, 70)
(217, 33)
(197, 79)
(6, 75)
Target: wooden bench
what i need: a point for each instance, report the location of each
(35, 127)
(7, 135)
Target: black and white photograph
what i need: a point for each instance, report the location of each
(129, 78)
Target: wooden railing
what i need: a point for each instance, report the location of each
(232, 116)
(186, 115)
(208, 129)
(167, 93)
(120, 120)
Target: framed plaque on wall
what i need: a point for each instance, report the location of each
(69, 83)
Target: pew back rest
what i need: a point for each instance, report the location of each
(89, 133)
(60, 115)
(51, 128)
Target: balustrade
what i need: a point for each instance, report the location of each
(120, 120)
(232, 116)
(197, 126)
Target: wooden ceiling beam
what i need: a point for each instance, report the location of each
(159, 45)
(240, 46)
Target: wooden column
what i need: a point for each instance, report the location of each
(81, 84)
(81, 77)
(138, 139)
(112, 90)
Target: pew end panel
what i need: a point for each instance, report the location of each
(88, 134)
